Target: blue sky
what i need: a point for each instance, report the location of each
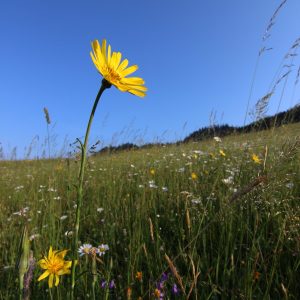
(196, 56)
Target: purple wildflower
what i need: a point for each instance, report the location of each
(112, 284)
(175, 290)
(103, 284)
(164, 277)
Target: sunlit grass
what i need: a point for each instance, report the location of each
(225, 235)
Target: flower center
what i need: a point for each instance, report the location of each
(112, 75)
(55, 266)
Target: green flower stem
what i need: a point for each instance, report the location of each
(105, 85)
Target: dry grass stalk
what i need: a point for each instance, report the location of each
(272, 20)
(47, 116)
(195, 278)
(145, 250)
(265, 158)
(193, 285)
(248, 188)
(188, 219)
(151, 230)
(285, 291)
(175, 273)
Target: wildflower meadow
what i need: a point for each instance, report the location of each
(217, 218)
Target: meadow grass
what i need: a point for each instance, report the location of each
(219, 227)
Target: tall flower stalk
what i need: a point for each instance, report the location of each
(115, 73)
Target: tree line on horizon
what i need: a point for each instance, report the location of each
(289, 116)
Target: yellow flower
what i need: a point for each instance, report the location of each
(157, 293)
(55, 266)
(139, 276)
(109, 65)
(194, 176)
(152, 171)
(256, 159)
(222, 153)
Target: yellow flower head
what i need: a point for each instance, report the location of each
(222, 153)
(139, 276)
(109, 65)
(55, 266)
(256, 159)
(157, 293)
(152, 171)
(194, 176)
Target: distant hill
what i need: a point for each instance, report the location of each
(286, 117)
(289, 116)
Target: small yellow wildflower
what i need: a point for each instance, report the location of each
(256, 275)
(256, 159)
(222, 153)
(157, 293)
(194, 176)
(55, 266)
(114, 71)
(139, 276)
(152, 171)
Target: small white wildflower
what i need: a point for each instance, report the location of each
(102, 249)
(69, 233)
(228, 180)
(152, 184)
(34, 236)
(63, 217)
(100, 209)
(217, 139)
(196, 201)
(84, 249)
(164, 189)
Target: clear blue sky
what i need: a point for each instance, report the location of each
(196, 57)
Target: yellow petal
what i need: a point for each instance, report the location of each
(50, 252)
(123, 65)
(44, 275)
(56, 280)
(129, 70)
(62, 253)
(68, 264)
(138, 87)
(108, 55)
(96, 49)
(137, 93)
(103, 49)
(43, 264)
(113, 60)
(118, 60)
(133, 81)
(50, 281)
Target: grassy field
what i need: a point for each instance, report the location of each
(198, 220)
